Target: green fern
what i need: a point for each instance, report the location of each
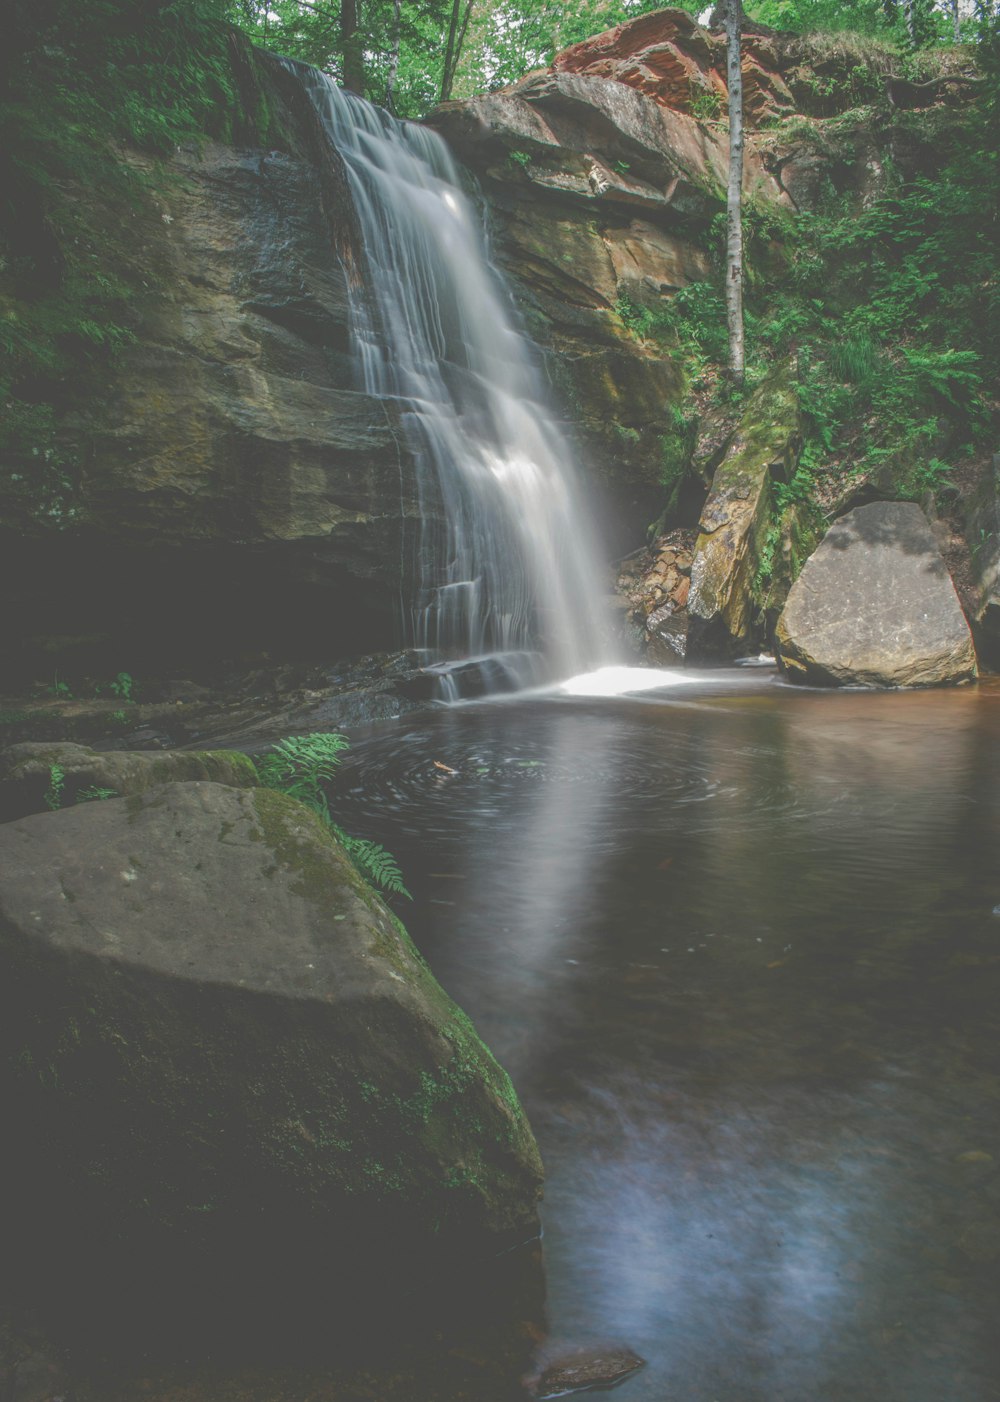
(95, 793)
(299, 766)
(373, 861)
(54, 793)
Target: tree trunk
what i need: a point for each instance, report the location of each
(352, 48)
(956, 20)
(390, 82)
(734, 198)
(457, 29)
(910, 12)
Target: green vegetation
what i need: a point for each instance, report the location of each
(300, 766)
(94, 793)
(420, 52)
(54, 793)
(123, 686)
(78, 84)
(886, 305)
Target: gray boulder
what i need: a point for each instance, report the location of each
(220, 1050)
(875, 606)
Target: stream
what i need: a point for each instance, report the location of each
(736, 943)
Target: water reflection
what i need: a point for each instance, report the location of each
(740, 957)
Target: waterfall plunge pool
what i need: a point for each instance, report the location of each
(735, 943)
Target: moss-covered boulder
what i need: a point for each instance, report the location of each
(735, 518)
(35, 778)
(224, 1062)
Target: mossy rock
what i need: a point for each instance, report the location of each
(220, 1049)
(27, 784)
(736, 516)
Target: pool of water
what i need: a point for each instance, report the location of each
(736, 943)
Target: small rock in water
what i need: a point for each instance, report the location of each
(591, 1368)
(996, 910)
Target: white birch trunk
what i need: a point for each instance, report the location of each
(734, 199)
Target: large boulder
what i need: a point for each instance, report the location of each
(875, 606)
(223, 1062)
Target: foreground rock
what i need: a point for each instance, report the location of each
(36, 778)
(225, 1067)
(875, 606)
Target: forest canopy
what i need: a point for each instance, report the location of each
(409, 54)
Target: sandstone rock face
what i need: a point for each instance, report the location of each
(219, 1049)
(875, 606)
(601, 198)
(229, 448)
(735, 518)
(234, 419)
(669, 56)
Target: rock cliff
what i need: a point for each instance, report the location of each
(226, 487)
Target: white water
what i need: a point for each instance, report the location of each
(505, 564)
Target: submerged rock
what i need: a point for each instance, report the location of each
(225, 1066)
(875, 606)
(584, 1371)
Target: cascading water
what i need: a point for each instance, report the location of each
(505, 562)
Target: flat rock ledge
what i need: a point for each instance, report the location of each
(224, 1065)
(875, 606)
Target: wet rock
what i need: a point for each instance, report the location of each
(735, 518)
(875, 606)
(586, 1370)
(983, 534)
(37, 1378)
(226, 1070)
(654, 584)
(26, 774)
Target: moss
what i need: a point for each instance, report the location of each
(303, 845)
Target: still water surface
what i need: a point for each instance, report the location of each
(736, 944)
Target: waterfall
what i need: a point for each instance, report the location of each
(505, 566)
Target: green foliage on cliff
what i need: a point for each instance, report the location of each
(887, 304)
(78, 82)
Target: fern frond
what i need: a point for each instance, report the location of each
(299, 764)
(372, 861)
